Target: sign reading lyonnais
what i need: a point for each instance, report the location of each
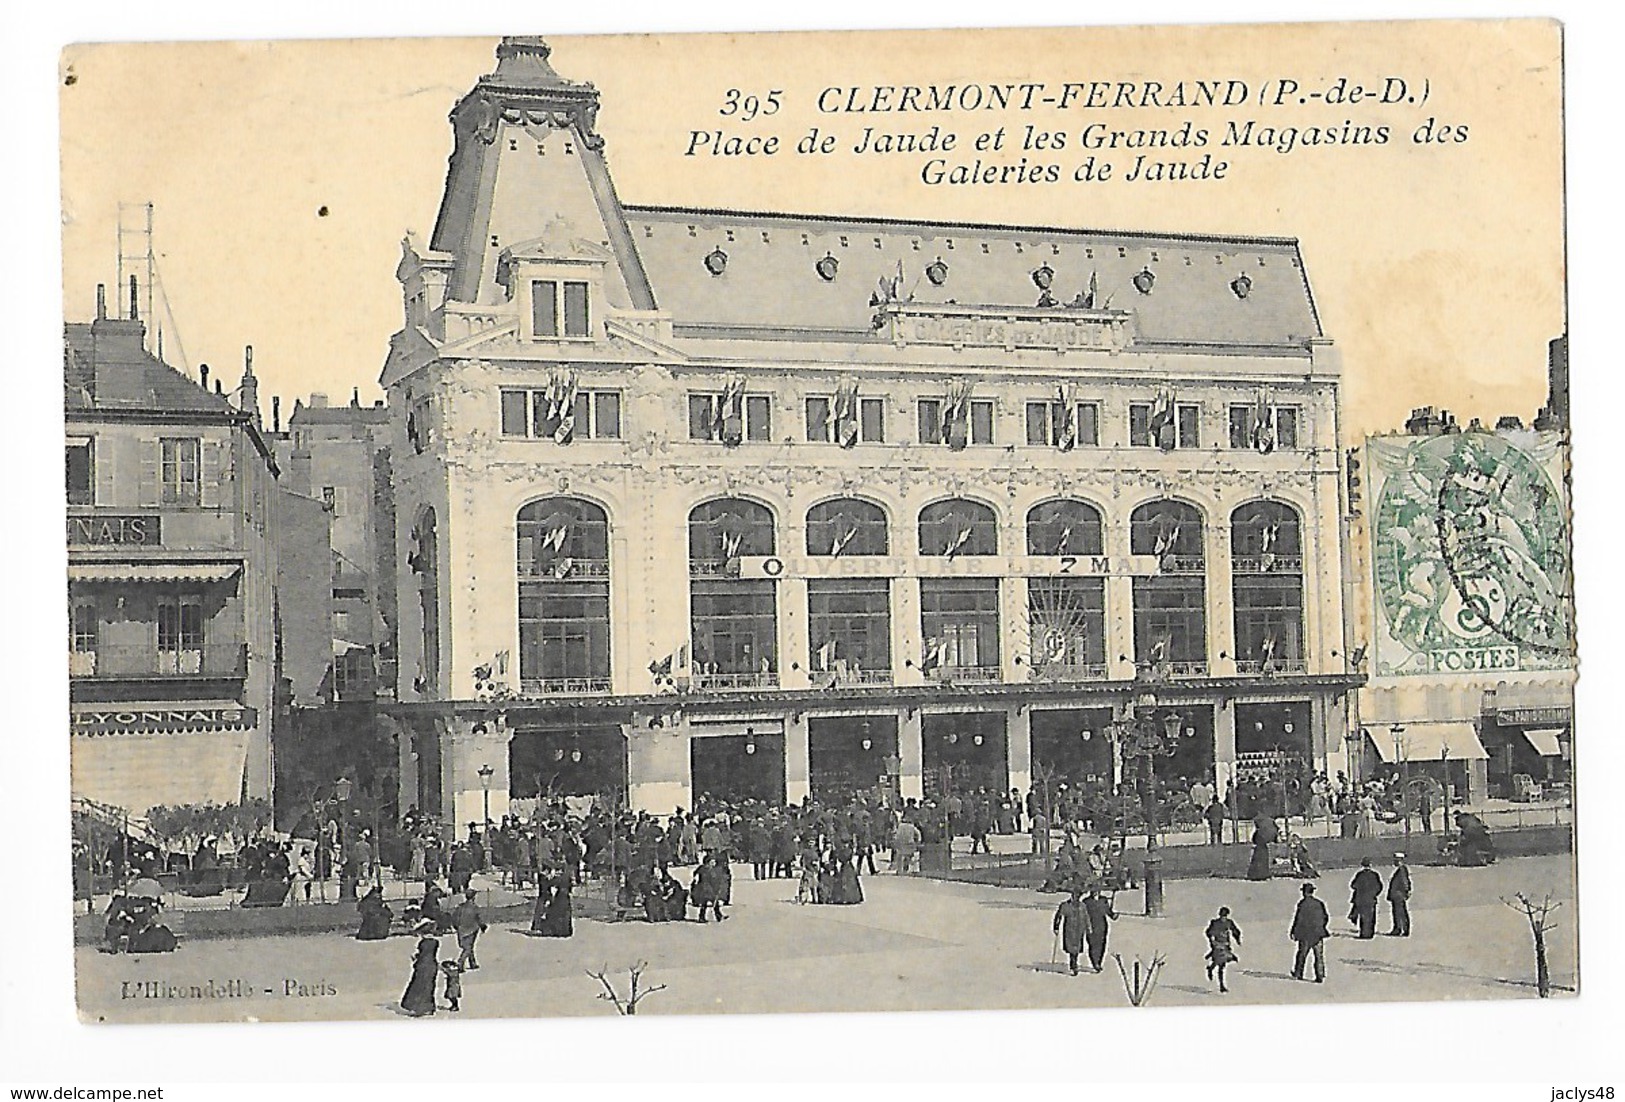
(940, 566)
(132, 531)
(113, 720)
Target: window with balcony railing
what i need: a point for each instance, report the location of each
(563, 569)
(1170, 607)
(1267, 587)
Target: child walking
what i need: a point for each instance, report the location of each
(1223, 935)
(454, 982)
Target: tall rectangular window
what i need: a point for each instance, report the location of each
(544, 307)
(85, 627)
(81, 473)
(959, 618)
(981, 421)
(1188, 418)
(872, 420)
(180, 635)
(849, 625)
(515, 406)
(758, 418)
(576, 322)
(818, 420)
(606, 414)
(930, 420)
(1139, 425)
(181, 471)
(1039, 415)
(1089, 424)
(702, 417)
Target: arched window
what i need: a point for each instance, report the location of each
(847, 526)
(958, 527)
(848, 618)
(562, 559)
(1066, 614)
(1266, 542)
(727, 529)
(1064, 527)
(1170, 606)
(733, 621)
(563, 536)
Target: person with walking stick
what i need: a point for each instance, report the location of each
(1071, 919)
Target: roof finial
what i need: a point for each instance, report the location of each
(522, 63)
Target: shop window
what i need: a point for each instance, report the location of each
(81, 473)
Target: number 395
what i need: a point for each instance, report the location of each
(747, 106)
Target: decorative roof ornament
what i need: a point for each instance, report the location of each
(827, 267)
(1144, 280)
(1043, 276)
(716, 261)
(1242, 285)
(937, 272)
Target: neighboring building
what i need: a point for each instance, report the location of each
(1472, 624)
(339, 456)
(782, 505)
(171, 577)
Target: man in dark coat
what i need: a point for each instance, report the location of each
(1214, 814)
(1098, 911)
(1310, 929)
(1399, 897)
(1365, 889)
(1070, 922)
(469, 924)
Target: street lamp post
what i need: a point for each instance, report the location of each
(1142, 736)
(1444, 771)
(1398, 731)
(347, 877)
(486, 772)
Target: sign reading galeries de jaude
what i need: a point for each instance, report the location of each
(1470, 543)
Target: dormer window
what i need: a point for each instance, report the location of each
(559, 308)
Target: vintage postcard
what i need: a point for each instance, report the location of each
(826, 521)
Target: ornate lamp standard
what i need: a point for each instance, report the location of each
(1141, 735)
(485, 771)
(1398, 731)
(347, 878)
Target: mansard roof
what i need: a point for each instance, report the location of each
(770, 278)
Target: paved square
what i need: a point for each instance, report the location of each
(915, 944)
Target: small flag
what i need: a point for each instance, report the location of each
(826, 655)
(932, 657)
(958, 540)
(842, 539)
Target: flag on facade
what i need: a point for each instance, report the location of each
(1164, 420)
(1269, 535)
(730, 428)
(1264, 430)
(958, 539)
(842, 539)
(956, 414)
(932, 656)
(1267, 649)
(1067, 430)
(826, 655)
(561, 404)
(846, 413)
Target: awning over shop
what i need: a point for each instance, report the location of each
(152, 572)
(140, 772)
(1423, 742)
(341, 647)
(1544, 740)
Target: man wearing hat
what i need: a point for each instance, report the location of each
(1310, 928)
(1399, 897)
(1364, 891)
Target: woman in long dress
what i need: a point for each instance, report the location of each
(847, 888)
(552, 917)
(375, 916)
(418, 999)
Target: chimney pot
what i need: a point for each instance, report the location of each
(276, 413)
(203, 373)
(134, 312)
(101, 301)
(217, 387)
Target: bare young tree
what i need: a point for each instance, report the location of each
(1143, 982)
(635, 994)
(1538, 915)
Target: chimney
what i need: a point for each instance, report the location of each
(248, 398)
(248, 359)
(203, 373)
(101, 302)
(355, 398)
(217, 389)
(276, 413)
(318, 400)
(135, 313)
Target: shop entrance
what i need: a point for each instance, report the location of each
(849, 754)
(1072, 742)
(1274, 757)
(738, 767)
(577, 761)
(964, 752)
